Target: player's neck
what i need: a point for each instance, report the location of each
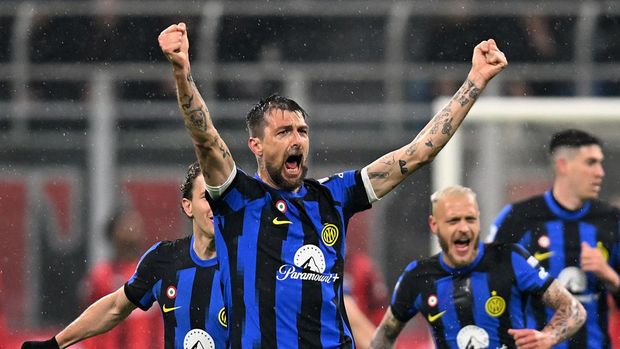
(566, 198)
(204, 246)
(264, 176)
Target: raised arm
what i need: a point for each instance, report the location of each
(568, 317)
(98, 318)
(211, 151)
(387, 332)
(390, 170)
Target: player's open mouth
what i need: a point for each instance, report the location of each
(462, 243)
(293, 163)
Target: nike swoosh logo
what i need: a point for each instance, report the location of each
(433, 318)
(167, 310)
(542, 256)
(276, 221)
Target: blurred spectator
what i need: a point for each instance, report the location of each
(143, 329)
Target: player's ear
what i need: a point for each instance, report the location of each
(561, 165)
(432, 223)
(256, 146)
(187, 207)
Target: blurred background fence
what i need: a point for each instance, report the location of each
(89, 121)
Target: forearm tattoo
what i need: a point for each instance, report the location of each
(468, 92)
(387, 332)
(569, 314)
(402, 164)
(197, 119)
(378, 175)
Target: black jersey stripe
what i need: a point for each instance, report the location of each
(231, 230)
(169, 282)
(463, 299)
(270, 238)
(201, 297)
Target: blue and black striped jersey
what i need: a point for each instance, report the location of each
(554, 235)
(473, 306)
(281, 255)
(187, 288)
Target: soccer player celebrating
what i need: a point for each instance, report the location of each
(280, 237)
(473, 294)
(572, 233)
(181, 275)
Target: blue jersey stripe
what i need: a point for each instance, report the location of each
(445, 291)
(555, 230)
(183, 298)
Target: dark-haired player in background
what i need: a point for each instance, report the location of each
(472, 294)
(571, 233)
(181, 275)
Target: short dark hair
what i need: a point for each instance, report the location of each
(254, 121)
(572, 138)
(187, 186)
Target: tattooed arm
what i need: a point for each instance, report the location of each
(387, 332)
(569, 316)
(211, 151)
(391, 169)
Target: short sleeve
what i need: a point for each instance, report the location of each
(530, 275)
(403, 303)
(139, 288)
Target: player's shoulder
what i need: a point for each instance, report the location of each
(499, 253)
(530, 205)
(423, 267)
(600, 207)
(169, 249)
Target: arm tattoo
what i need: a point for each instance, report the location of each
(223, 148)
(186, 101)
(197, 119)
(569, 313)
(378, 175)
(429, 143)
(447, 126)
(387, 332)
(388, 160)
(189, 77)
(402, 164)
(411, 149)
(468, 92)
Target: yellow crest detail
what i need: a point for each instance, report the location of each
(496, 305)
(329, 234)
(221, 316)
(603, 250)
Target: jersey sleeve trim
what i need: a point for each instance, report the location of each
(217, 191)
(370, 191)
(135, 302)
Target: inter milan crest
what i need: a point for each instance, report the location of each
(496, 305)
(329, 234)
(221, 317)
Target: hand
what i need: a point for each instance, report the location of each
(48, 344)
(175, 45)
(487, 61)
(531, 339)
(592, 260)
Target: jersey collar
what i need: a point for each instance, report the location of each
(563, 213)
(200, 262)
(466, 269)
(287, 194)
